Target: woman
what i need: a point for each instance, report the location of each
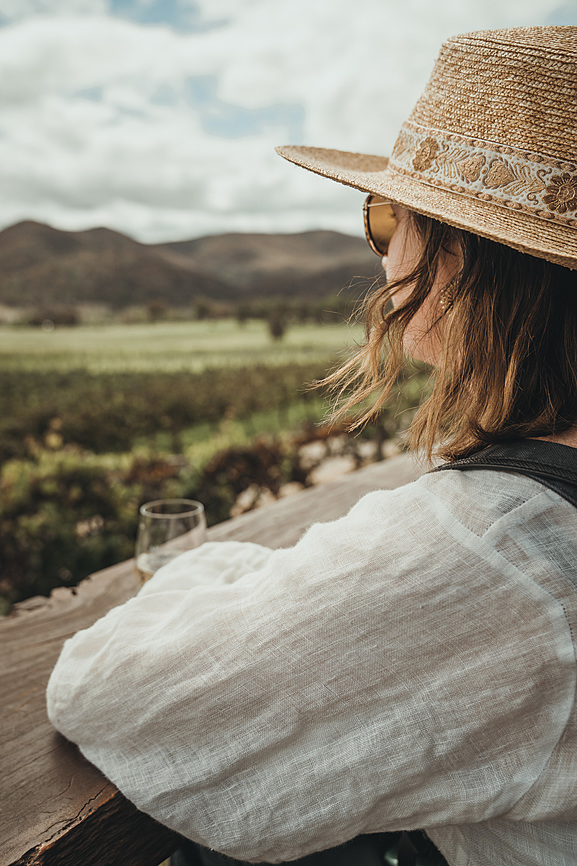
(411, 665)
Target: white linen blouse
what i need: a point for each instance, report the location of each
(410, 665)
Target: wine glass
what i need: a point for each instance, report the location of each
(166, 528)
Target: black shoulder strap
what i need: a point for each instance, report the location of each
(553, 465)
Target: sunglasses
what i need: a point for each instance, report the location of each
(380, 223)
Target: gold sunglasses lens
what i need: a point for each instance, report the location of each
(380, 223)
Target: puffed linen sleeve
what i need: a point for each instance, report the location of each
(392, 670)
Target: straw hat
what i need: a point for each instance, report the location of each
(491, 145)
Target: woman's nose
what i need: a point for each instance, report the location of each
(384, 262)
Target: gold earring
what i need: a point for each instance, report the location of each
(447, 295)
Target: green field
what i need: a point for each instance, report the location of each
(169, 346)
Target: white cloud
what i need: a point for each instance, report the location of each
(13, 10)
(98, 124)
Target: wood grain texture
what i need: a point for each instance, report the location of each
(55, 807)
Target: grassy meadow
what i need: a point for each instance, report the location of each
(169, 346)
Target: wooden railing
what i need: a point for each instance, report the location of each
(56, 809)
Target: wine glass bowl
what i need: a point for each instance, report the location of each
(166, 528)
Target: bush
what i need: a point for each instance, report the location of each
(277, 325)
(266, 464)
(108, 412)
(66, 511)
(54, 316)
(70, 513)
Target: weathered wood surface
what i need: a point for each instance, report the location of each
(55, 807)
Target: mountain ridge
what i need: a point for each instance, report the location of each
(42, 266)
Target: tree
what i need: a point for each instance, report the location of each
(243, 312)
(277, 324)
(201, 310)
(156, 309)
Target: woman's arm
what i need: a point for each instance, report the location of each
(389, 671)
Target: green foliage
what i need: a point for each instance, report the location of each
(73, 475)
(80, 450)
(110, 412)
(156, 309)
(55, 316)
(277, 325)
(265, 464)
(69, 513)
(332, 309)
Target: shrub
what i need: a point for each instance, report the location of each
(105, 412)
(66, 511)
(55, 316)
(70, 513)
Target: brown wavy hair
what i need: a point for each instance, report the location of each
(508, 364)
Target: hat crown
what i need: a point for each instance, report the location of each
(491, 145)
(515, 87)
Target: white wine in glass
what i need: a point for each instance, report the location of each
(166, 528)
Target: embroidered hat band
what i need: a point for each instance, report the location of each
(491, 145)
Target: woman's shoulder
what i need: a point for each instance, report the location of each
(479, 498)
(475, 498)
(500, 516)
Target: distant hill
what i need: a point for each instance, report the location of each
(43, 266)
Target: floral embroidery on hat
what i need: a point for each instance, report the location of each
(562, 193)
(401, 144)
(425, 154)
(471, 167)
(499, 175)
(489, 171)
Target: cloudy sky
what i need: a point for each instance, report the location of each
(158, 118)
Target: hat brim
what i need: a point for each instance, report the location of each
(372, 174)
